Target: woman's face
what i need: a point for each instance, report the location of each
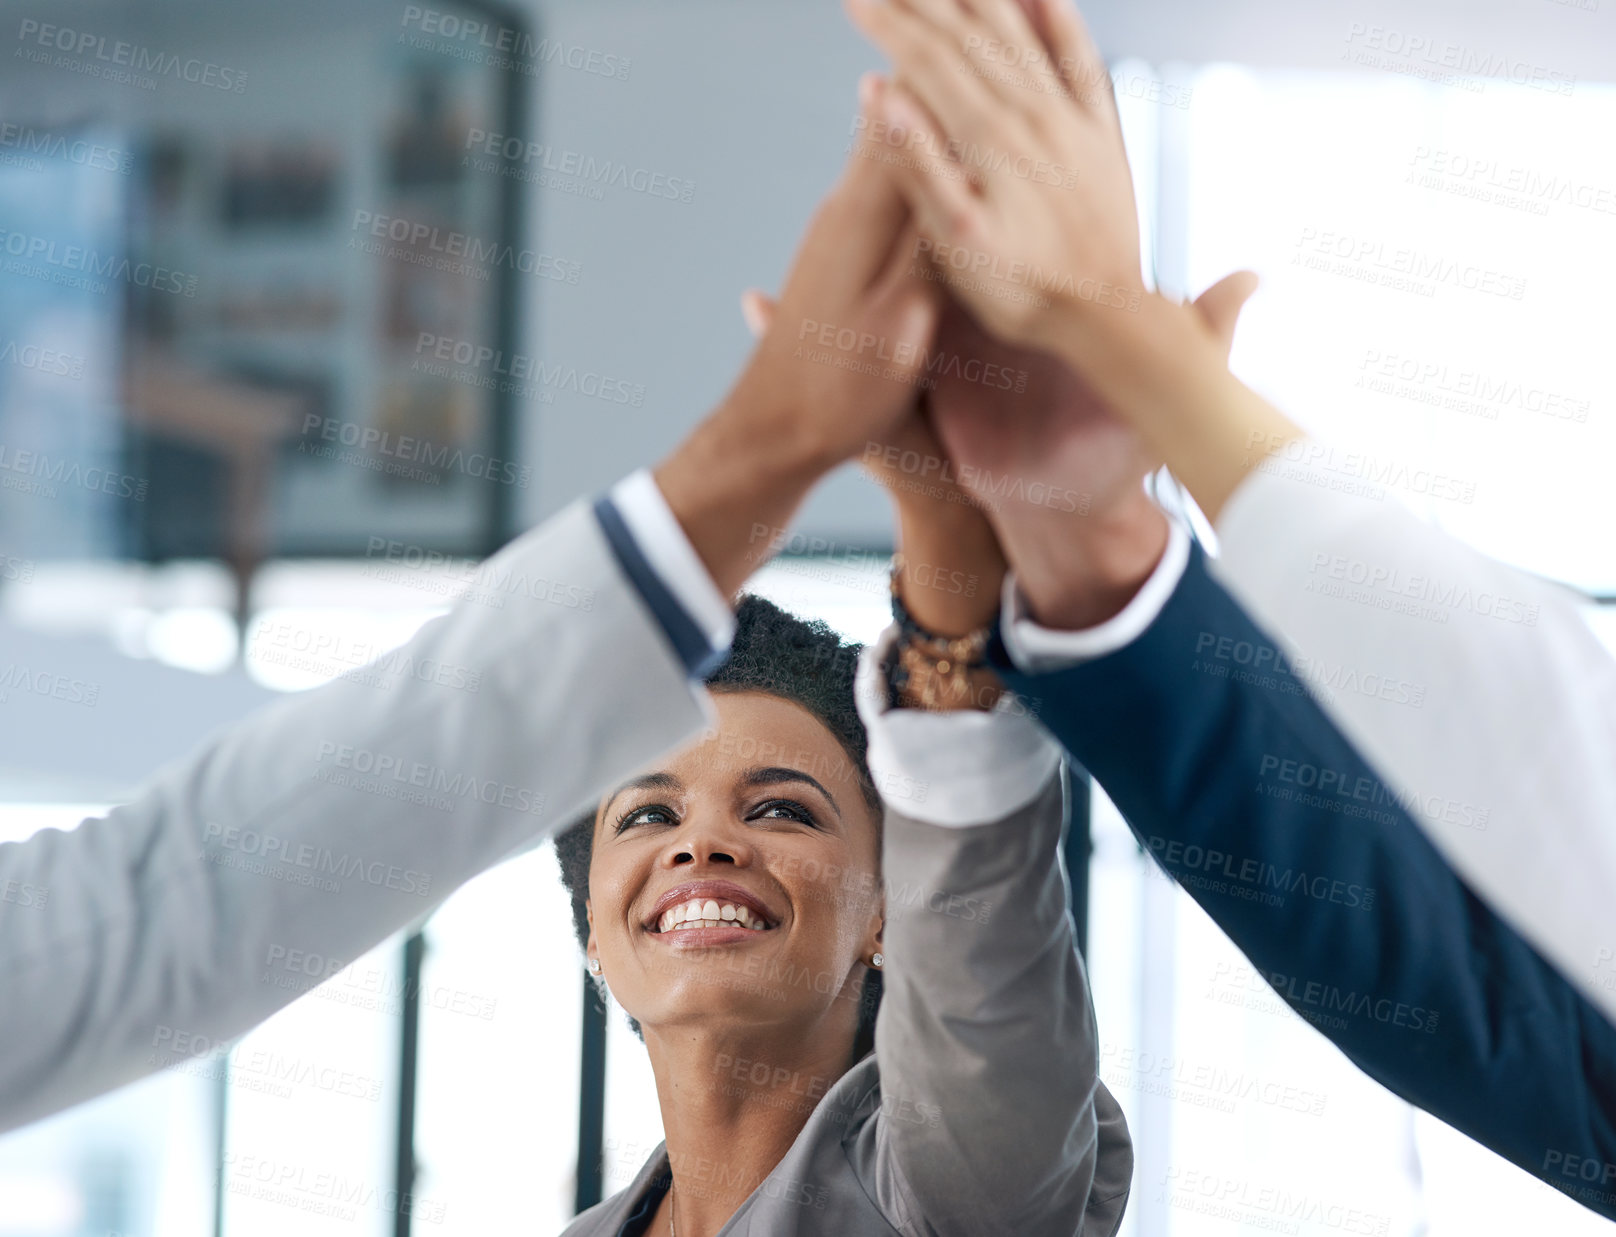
(737, 884)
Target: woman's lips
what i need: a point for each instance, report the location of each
(708, 936)
(698, 905)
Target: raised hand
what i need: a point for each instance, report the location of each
(953, 566)
(989, 92)
(1058, 474)
(837, 368)
(990, 88)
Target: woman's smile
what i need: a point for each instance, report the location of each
(698, 914)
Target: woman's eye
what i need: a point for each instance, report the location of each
(655, 814)
(785, 809)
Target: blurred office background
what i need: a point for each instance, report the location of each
(305, 307)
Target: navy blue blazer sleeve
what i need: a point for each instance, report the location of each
(1236, 782)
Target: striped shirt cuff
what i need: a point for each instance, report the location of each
(666, 571)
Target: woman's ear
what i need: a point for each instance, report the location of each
(591, 950)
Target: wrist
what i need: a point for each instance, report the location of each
(1083, 571)
(735, 483)
(951, 568)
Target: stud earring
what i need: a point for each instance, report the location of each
(594, 966)
(876, 960)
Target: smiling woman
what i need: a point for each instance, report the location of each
(733, 899)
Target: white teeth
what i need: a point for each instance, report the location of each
(710, 913)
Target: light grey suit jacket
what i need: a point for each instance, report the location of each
(981, 1111)
(311, 831)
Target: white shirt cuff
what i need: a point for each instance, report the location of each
(963, 767)
(1040, 650)
(669, 553)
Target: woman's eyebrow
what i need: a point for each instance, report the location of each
(660, 780)
(767, 775)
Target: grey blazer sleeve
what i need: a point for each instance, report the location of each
(993, 1117)
(328, 821)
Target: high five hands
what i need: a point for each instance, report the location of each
(917, 265)
(1051, 262)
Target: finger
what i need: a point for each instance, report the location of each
(1220, 305)
(932, 64)
(908, 262)
(910, 301)
(758, 309)
(1082, 68)
(867, 208)
(1019, 49)
(1007, 58)
(938, 191)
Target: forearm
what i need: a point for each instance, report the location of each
(1239, 785)
(736, 482)
(1484, 697)
(319, 827)
(1078, 571)
(986, 1020)
(952, 567)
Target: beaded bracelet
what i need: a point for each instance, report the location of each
(943, 664)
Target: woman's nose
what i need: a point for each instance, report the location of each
(700, 842)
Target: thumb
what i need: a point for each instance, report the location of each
(1220, 305)
(758, 309)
